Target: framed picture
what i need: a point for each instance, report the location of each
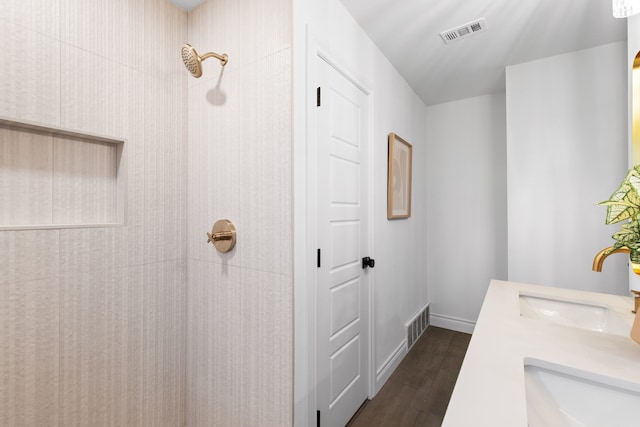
(399, 178)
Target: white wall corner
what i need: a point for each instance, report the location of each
(416, 314)
(452, 323)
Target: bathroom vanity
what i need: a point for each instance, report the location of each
(541, 355)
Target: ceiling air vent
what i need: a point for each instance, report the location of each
(463, 31)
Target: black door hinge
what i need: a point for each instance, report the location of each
(318, 97)
(317, 418)
(318, 258)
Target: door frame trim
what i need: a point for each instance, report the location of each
(305, 228)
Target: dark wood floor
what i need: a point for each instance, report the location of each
(418, 392)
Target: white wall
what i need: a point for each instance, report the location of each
(240, 304)
(566, 151)
(399, 284)
(92, 320)
(467, 206)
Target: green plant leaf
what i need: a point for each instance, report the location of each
(629, 233)
(633, 176)
(619, 211)
(624, 203)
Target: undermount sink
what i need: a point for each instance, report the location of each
(577, 314)
(560, 396)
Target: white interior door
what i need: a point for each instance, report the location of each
(342, 285)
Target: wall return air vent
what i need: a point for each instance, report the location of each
(417, 326)
(463, 31)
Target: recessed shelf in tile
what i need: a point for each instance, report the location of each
(57, 178)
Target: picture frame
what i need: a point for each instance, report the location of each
(399, 171)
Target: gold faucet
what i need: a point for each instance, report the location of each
(597, 266)
(603, 254)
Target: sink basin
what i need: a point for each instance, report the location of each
(560, 396)
(577, 314)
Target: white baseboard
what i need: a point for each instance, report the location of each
(390, 365)
(452, 323)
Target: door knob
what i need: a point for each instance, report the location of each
(368, 262)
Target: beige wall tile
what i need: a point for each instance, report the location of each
(99, 27)
(48, 180)
(94, 93)
(240, 165)
(28, 255)
(123, 305)
(164, 30)
(145, 34)
(123, 347)
(93, 324)
(246, 30)
(29, 75)
(239, 168)
(164, 344)
(25, 177)
(134, 153)
(29, 348)
(42, 16)
(165, 155)
(83, 250)
(241, 373)
(85, 182)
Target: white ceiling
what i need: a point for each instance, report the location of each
(407, 32)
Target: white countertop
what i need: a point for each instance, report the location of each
(490, 387)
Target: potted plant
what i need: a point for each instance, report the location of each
(624, 204)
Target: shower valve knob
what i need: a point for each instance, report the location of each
(223, 235)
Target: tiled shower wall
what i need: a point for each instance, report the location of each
(240, 304)
(92, 321)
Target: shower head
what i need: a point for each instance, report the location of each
(193, 61)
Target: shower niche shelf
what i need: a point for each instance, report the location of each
(58, 178)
